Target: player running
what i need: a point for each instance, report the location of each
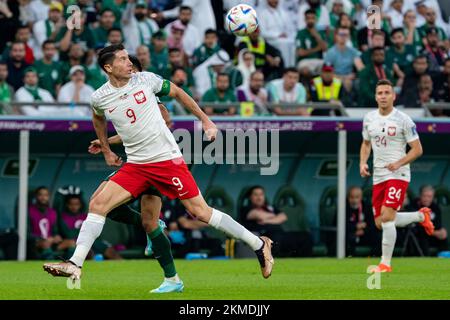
(388, 130)
(153, 157)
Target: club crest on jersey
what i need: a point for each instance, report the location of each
(392, 131)
(140, 97)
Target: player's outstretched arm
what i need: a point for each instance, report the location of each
(415, 152)
(189, 103)
(101, 129)
(364, 155)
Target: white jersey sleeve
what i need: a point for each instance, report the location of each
(409, 129)
(95, 106)
(365, 131)
(158, 85)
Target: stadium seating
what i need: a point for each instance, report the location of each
(292, 204)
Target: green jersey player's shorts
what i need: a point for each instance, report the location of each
(151, 191)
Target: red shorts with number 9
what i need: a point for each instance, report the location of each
(390, 193)
(171, 177)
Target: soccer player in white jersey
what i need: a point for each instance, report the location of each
(153, 157)
(387, 131)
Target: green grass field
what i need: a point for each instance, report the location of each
(424, 278)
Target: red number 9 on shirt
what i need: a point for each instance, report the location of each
(131, 115)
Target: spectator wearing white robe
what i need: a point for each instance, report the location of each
(272, 22)
(191, 37)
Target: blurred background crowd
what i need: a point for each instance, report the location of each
(304, 51)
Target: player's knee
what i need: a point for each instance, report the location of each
(97, 206)
(203, 213)
(149, 225)
(386, 217)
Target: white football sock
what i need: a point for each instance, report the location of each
(90, 230)
(402, 219)
(388, 243)
(175, 278)
(225, 223)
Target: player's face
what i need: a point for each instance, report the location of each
(385, 97)
(121, 66)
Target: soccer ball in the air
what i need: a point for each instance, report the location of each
(241, 20)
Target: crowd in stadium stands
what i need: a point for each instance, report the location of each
(304, 51)
(52, 232)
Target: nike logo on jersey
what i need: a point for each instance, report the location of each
(389, 202)
(182, 194)
(111, 110)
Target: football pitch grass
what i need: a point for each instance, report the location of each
(292, 279)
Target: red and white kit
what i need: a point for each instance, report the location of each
(388, 136)
(153, 156)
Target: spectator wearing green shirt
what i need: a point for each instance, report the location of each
(400, 53)
(6, 91)
(310, 43)
(222, 94)
(176, 60)
(411, 31)
(115, 36)
(106, 22)
(83, 35)
(370, 75)
(377, 39)
(159, 51)
(430, 17)
(207, 49)
(76, 56)
(49, 70)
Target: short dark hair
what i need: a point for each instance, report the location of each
(310, 11)
(384, 82)
(378, 33)
(177, 69)
(38, 189)
(174, 50)
(397, 30)
(255, 73)
(107, 54)
(223, 74)
(106, 10)
(46, 42)
(182, 8)
(136, 63)
(290, 69)
(114, 29)
(17, 42)
(420, 56)
(374, 49)
(210, 31)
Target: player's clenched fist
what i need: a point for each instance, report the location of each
(95, 147)
(112, 159)
(364, 170)
(393, 166)
(210, 130)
